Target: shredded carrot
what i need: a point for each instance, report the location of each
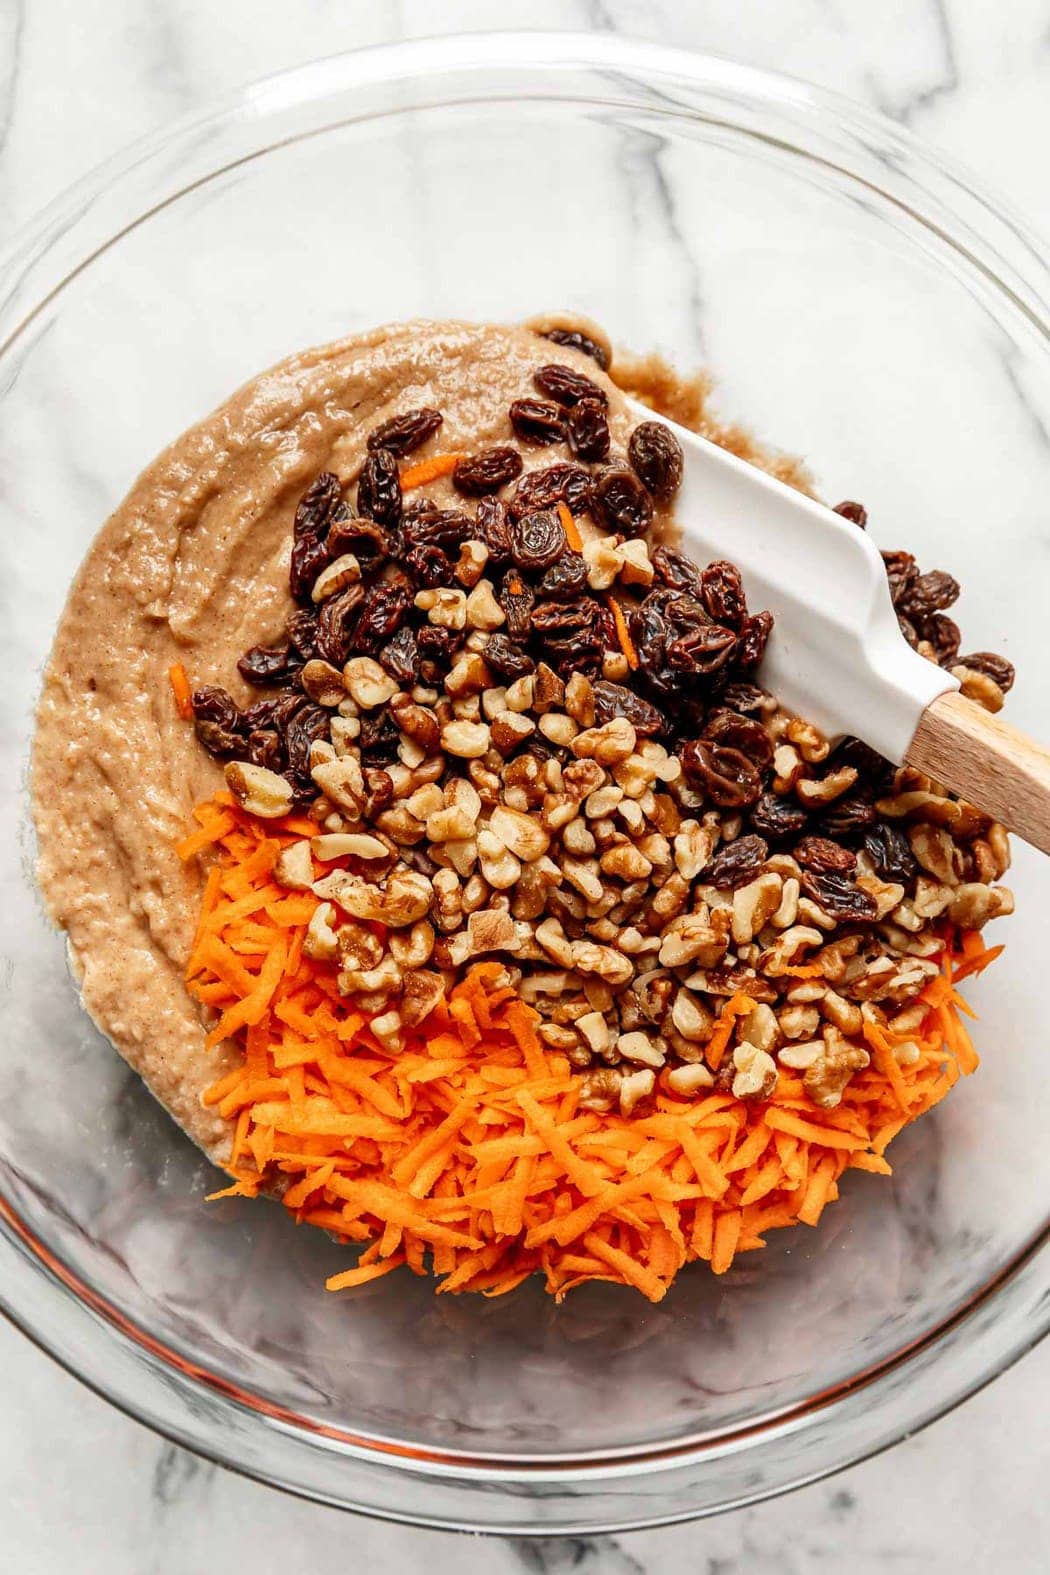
(623, 634)
(467, 1147)
(429, 470)
(180, 688)
(572, 534)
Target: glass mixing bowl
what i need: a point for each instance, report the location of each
(861, 305)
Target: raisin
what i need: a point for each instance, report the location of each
(401, 434)
(997, 668)
(839, 897)
(589, 430)
(379, 739)
(316, 507)
(612, 700)
(336, 625)
(369, 542)
(567, 387)
(382, 614)
(650, 634)
(909, 631)
(703, 649)
(944, 634)
(309, 556)
(488, 471)
(433, 527)
(266, 749)
(736, 863)
(929, 593)
(437, 649)
(675, 571)
(537, 421)
(824, 856)
(301, 630)
(538, 540)
(492, 525)
(565, 580)
(216, 720)
(269, 664)
(572, 635)
(754, 637)
(747, 698)
(656, 455)
(400, 656)
(726, 776)
(429, 566)
(777, 817)
(856, 513)
(722, 593)
(572, 339)
(867, 762)
(379, 488)
(309, 723)
(517, 600)
(561, 483)
(901, 571)
(727, 727)
(507, 658)
(890, 852)
(848, 816)
(621, 504)
(275, 712)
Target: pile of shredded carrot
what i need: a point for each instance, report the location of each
(467, 1146)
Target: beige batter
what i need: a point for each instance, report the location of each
(193, 568)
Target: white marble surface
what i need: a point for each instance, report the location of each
(86, 1490)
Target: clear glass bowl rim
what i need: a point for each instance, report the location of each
(124, 1363)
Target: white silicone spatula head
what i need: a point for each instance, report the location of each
(837, 655)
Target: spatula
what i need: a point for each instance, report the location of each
(836, 655)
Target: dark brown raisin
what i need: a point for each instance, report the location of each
(369, 542)
(564, 580)
(589, 430)
(434, 527)
(776, 817)
(703, 649)
(309, 556)
(564, 482)
(316, 507)
(726, 776)
(517, 600)
(621, 504)
(839, 897)
(507, 658)
(824, 856)
(488, 471)
(867, 762)
(848, 816)
(217, 720)
(379, 738)
(929, 593)
(901, 571)
(856, 513)
(722, 593)
(337, 623)
(429, 566)
(266, 749)
(650, 633)
(748, 698)
(437, 650)
(402, 434)
(727, 727)
(567, 387)
(574, 340)
(998, 668)
(675, 571)
(492, 526)
(301, 630)
(736, 863)
(570, 634)
(276, 711)
(612, 700)
(944, 634)
(269, 664)
(754, 637)
(379, 488)
(657, 457)
(538, 540)
(890, 852)
(538, 421)
(400, 656)
(309, 723)
(382, 614)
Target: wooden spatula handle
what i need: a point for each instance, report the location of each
(987, 762)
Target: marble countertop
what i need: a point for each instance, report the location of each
(86, 1490)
